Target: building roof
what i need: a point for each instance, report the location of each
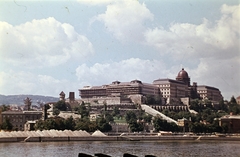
(168, 80)
(182, 74)
(22, 112)
(117, 84)
(62, 94)
(207, 87)
(230, 117)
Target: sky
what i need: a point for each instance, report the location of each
(51, 46)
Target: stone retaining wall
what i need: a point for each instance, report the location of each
(115, 138)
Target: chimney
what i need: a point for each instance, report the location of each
(71, 96)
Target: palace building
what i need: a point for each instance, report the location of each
(211, 93)
(169, 89)
(118, 89)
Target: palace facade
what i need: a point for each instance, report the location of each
(168, 89)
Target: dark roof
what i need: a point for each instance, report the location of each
(182, 74)
(22, 112)
(208, 87)
(169, 80)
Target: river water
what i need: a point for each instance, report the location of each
(117, 149)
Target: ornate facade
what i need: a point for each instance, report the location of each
(171, 90)
(119, 89)
(211, 93)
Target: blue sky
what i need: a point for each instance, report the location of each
(52, 46)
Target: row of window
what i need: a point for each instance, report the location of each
(17, 120)
(8, 116)
(164, 85)
(165, 89)
(165, 93)
(202, 91)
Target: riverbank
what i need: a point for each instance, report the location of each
(116, 138)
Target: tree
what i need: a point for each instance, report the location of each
(147, 118)
(103, 125)
(69, 123)
(83, 111)
(60, 105)
(150, 99)
(7, 125)
(130, 116)
(135, 126)
(56, 111)
(85, 124)
(223, 106)
(115, 111)
(160, 124)
(40, 125)
(4, 108)
(28, 103)
(233, 100)
(109, 118)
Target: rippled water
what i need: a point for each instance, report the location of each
(116, 149)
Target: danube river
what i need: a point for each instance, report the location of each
(117, 149)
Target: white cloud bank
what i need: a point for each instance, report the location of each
(22, 82)
(123, 71)
(125, 19)
(44, 42)
(218, 40)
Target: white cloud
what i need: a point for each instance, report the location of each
(125, 71)
(44, 42)
(14, 82)
(125, 19)
(219, 39)
(222, 74)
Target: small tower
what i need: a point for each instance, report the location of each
(62, 96)
(71, 96)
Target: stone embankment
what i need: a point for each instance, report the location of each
(67, 135)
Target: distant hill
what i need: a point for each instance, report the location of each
(19, 99)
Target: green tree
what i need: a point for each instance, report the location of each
(147, 118)
(83, 111)
(115, 111)
(103, 125)
(130, 116)
(4, 108)
(50, 124)
(56, 111)
(233, 100)
(223, 106)
(28, 103)
(150, 99)
(162, 125)
(85, 124)
(40, 125)
(7, 125)
(135, 126)
(109, 118)
(61, 105)
(69, 123)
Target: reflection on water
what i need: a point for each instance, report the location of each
(117, 149)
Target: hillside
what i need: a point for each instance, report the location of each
(19, 99)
